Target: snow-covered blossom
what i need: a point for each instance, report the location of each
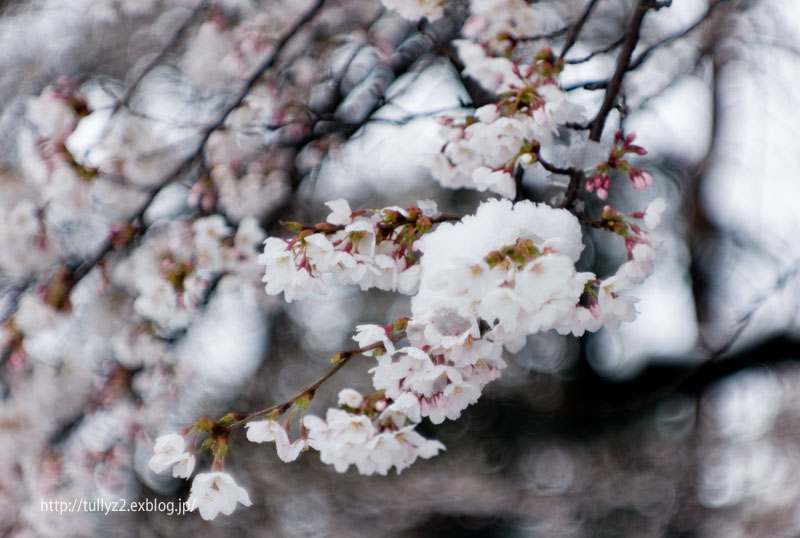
(510, 267)
(216, 493)
(462, 263)
(429, 208)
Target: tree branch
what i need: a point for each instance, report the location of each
(71, 276)
(604, 50)
(156, 61)
(612, 91)
(614, 85)
(649, 50)
(576, 30)
(345, 357)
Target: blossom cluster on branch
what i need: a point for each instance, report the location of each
(480, 286)
(125, 219)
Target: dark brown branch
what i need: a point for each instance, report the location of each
(159, 58)
(636, 63)
(75, 275)
(604, 50)
(549, 35)
(553, 169)
(575, 180)
(614, 85)
(612, 91)
(519, 175)
(649, 50)
(308, 391)
(576, 30)
(590, 85)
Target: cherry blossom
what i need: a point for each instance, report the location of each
(216, 493)
(344, 439)
(168, 451)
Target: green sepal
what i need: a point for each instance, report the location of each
(204, 425)
(293, 227)
(227, 420)
(303, 401)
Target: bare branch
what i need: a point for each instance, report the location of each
(604, 50)
(649, 50)
(159, 58)
(576, 30)
(308, 391)
(631, 39)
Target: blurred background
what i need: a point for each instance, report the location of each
(685, 422)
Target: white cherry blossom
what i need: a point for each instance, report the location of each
(216, 493)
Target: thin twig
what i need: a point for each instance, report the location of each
(159, 58)
(78, 273)
(548, 35)
(612, 91)
(346, 356)
(649, 50)
(576, 30)
(631, 39)
(604, 50)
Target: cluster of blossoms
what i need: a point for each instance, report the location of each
(485, 151)
(220, 53)
(488, 282)
(479, 286)
(23, 240)
(212, 493)
(49, 165)
(373, 249)
(105, 270)
(364, 432)
(599, 180)
(373, 445)
(172, 271)
(484, 284)
(531, 118)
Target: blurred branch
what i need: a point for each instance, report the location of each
(604, 50)
(642, 57)
(590, 395)
(623, 60)
(667, 40)
(576, 29)
(69, 277)
(631, 38)
(177, 37)
(548, 35)
(343, 358)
